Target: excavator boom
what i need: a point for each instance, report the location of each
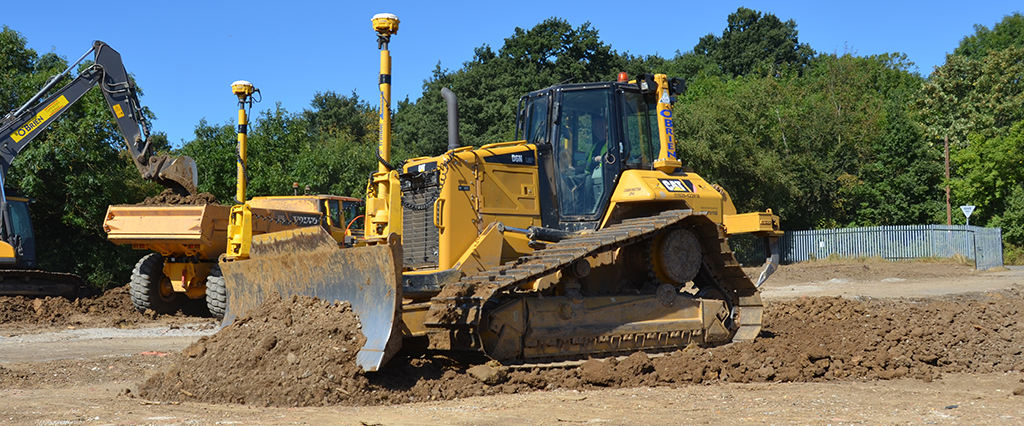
(21, 126)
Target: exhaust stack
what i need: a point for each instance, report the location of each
(453, 117)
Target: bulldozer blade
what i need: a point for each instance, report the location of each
(307, 261)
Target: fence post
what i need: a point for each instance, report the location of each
(974, 246)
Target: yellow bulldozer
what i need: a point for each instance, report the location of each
(583, 237)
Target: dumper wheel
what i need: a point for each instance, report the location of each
(150, 289)
(216, 293)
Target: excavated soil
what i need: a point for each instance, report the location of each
(169, 198)
(298, 352)
(112, 308)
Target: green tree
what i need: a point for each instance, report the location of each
(1007, 33)
(966, 95)
(689, 65)
(752, 40)
(976, 99)
(329, 147)
(822, 149)
(1012, 219)
(214, 149)
(332, 114)
(991, 177)
(18, 65)
(490, 85)
(899, 177)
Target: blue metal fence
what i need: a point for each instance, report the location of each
(982, 245)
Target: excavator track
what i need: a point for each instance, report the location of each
(35, 283)
(463, 315)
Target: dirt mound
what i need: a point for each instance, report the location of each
(290, 353)
(112, 307)
(827, 338)
(169, 197)
(869, 269)
(299, 351)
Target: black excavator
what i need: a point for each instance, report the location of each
(18, 275)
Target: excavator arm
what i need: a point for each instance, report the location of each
(21, 126)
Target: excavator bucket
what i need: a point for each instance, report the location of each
(307, 261)
(177, 173)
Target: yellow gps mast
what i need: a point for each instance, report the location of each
(383, 193)
(244, 90)
(385, 24)
(240, 224)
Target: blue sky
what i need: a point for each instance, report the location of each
(185, 54)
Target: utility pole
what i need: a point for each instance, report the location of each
(949, 207)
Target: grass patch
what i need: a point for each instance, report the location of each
(1012, 255)
(957, 258)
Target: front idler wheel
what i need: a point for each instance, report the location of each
(676, 257)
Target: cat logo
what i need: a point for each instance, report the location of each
(676, 185)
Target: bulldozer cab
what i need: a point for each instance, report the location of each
(594, 131)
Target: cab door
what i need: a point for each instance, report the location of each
(586, 157)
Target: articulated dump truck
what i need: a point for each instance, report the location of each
(584, 237)
(187, 240)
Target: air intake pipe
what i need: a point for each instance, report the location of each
(453, 117)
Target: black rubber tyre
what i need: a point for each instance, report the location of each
(148, 289)
(216, 293)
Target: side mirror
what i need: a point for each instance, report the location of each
(676, 86)
(646, 83)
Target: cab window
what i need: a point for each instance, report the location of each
(640, 128)
(353, 209)
(536, 120)
(334, 213)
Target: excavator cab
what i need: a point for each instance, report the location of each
(18, 257)
(18, 248)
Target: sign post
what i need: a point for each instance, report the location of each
(970, 247)
(967, 213)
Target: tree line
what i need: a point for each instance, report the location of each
(824, 139)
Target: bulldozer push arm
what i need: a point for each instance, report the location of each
(21, 126)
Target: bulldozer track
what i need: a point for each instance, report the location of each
(456, 312)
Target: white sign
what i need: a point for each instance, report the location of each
(967, 210)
